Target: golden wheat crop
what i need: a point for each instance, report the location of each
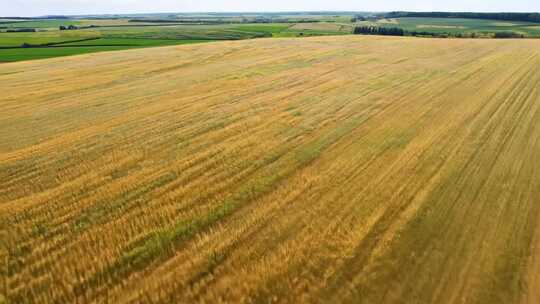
(320, 170)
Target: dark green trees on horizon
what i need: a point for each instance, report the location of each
(384, 31)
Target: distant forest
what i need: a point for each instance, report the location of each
(526, 17)
(384, 31)
(396, 31)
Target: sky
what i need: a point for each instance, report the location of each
(81, 7)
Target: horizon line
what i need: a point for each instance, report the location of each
(264, 12)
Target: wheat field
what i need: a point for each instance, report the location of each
(317, 170)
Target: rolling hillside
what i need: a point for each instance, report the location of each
(319, 170)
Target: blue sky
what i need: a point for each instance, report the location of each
(50, 7)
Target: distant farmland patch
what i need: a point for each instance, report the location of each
(431, 26)
(505, 24)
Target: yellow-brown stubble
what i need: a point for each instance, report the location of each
(329, 169)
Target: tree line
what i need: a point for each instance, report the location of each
(525, 17)
(374, 30)
(396, 31)
(21, 30)
(73, 27)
